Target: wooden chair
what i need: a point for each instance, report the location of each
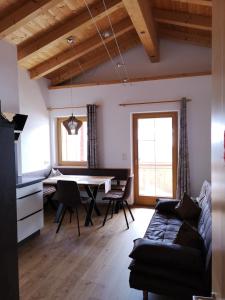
(68, 194)
(119, 197)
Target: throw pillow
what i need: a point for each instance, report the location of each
(166, 206)
(187, 208)
(54, 173)
(188, 236)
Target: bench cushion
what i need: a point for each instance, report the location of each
(48, 190)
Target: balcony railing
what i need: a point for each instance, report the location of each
(155, 179)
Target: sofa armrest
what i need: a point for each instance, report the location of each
(173, 255)
(166, 205)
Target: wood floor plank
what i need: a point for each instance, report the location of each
(93, 266)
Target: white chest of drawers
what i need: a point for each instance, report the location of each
(30, 217)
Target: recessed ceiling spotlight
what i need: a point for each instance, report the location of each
(125, 80)
(70, 40)
(106, 34)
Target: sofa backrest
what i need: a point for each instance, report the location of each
(205, 221)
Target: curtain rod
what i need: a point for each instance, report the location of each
(67, 107)
(152, 102)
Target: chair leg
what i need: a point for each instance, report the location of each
(125, 214)
(78, 223)
(129, 211)
(112, 211)
(59, 213)
(62, 217)
(71, 214)
(145, 295)
(106, 214)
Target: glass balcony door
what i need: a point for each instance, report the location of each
(155, 156)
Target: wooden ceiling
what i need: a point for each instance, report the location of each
(40, 29)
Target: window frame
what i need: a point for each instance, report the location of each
(61, 162)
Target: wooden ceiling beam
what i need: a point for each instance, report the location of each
(140, 12)
(78, 51)
(183, 19)
(131, 80)
(67, 28)
(192, 38)
(127, 41)
(207, 3)
(20, 16)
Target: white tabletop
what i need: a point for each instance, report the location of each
(83, 180)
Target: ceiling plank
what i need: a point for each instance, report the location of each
(140, 12)
(207, 3)
(189, 37)
(23, 14)
(127, 41)
(65, 29)
(78, 51)
(183, 19)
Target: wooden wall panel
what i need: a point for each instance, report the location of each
(218, 161)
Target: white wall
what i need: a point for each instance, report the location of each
(174, 58)
(114, 122)
(19, 94)
(8, 78)
(35, 138)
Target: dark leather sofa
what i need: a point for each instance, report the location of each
(165, 268)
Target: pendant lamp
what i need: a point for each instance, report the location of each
(72, 125)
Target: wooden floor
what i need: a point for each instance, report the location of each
(93, 266)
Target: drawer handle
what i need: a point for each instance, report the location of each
(30, 215)
(29, 195)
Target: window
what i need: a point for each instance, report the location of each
(72, 149)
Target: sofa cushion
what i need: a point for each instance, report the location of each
(187, 278)
(156, 253)
(205, 224)
(163, 227)
(188, 236)
(166, 205)
(48, 190)
(159, 285)
(187, 208)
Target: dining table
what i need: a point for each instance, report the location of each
(91, 185)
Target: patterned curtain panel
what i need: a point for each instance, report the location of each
(183, 180)
(92, 135)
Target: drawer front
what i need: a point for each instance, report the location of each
(29, 205)
(29, 225)
(30, 189)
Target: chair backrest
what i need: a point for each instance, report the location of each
(67, 192)
(128, 188)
